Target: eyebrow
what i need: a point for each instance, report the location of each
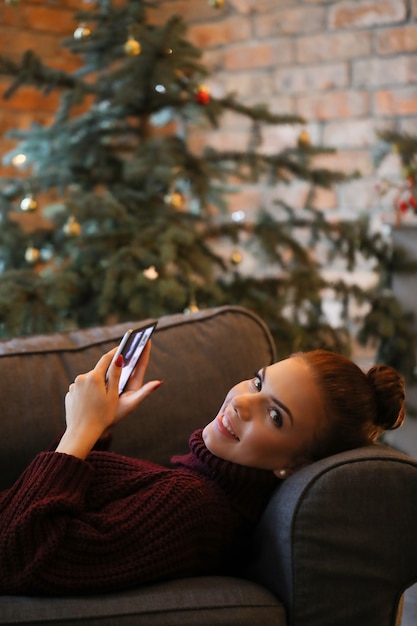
(277, 402)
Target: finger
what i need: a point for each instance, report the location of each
(74, 382)
(149, 387)
(114, 373)
(105, 360)
(102, 367)
(135, 397)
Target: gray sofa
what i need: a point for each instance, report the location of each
(337, 545)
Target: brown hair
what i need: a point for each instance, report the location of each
(358, 406)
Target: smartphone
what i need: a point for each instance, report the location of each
(131, 347)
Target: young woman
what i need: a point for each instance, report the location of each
(82, 520)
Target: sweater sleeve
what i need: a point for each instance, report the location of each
(71, 526)
(35, 513)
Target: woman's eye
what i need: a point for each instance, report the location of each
(276, 417)
(257, 381)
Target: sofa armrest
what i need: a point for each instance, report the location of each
(337, 542)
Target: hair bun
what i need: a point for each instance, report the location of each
(389, 389)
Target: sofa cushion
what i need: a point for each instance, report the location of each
(206, 601)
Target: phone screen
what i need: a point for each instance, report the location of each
(131, 347)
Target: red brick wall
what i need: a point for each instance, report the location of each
(348, 66)
(40, 26)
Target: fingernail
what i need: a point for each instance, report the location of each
(119, 361)
(159, 384)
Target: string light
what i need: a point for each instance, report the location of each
(82, 31)
(28, 203)
(150, 273)
(18, 160)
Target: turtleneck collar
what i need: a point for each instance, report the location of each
(248, 488)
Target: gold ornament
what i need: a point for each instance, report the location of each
(176, 200)
(304, 139)
(72, 228)
(28, 203)
(236, 257)
(132, 47)
(82, 32)
(192, 307)
(32, 255)
(216, 4)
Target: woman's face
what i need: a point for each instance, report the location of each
(269, 421)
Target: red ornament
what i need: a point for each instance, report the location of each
(413, 202)
(202, 95)
(403, 206)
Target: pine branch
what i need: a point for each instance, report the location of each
(31, 71)
(258, 112)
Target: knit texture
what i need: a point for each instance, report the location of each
(112, 522)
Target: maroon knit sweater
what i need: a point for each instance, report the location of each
(112, 522)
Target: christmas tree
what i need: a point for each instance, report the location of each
(135, 223)
(387, 321)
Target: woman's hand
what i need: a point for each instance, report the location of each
(92, 406)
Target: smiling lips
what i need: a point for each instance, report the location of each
(225, 423)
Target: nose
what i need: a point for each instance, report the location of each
(242, 404)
